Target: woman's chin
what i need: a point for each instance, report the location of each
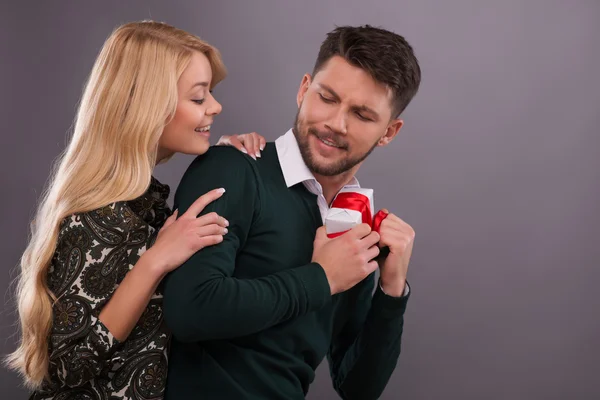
(198, 149)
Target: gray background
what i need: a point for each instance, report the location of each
(496, 168)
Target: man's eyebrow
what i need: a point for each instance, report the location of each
(330, 90)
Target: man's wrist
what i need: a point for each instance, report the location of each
(396, 289)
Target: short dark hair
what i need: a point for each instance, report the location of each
(385, 55)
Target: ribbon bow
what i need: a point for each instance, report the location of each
(358, 202)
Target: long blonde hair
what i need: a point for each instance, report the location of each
(130, 96)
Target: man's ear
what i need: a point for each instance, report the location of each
(390, 133)
(306, 81)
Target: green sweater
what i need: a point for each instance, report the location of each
(252, 317)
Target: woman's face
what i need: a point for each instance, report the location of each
(189, 130)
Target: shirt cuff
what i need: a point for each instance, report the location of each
(406, 289)
(101, 341)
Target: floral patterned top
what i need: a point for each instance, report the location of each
(95, 251)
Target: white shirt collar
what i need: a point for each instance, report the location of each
(292, 165)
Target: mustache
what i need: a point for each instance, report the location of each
(331, 137)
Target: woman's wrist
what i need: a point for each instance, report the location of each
(153, 265)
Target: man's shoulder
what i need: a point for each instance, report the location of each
(224, 154)
(220, 166)
(222, 161)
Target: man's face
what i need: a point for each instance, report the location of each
(343, 114)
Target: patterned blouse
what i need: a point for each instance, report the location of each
(95, 251)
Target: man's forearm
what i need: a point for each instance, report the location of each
(204, 306)
(363, 369)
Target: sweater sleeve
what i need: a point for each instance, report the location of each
(363, 356)
(92, 255)
(203, 300)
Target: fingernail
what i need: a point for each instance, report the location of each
(253, 157)
(244, 151)
(226, 222)
(262, 147)
(257, 154)
(225, 230)
(221, 190)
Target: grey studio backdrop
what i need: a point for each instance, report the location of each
(496, 167)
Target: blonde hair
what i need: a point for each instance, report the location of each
(130, 96)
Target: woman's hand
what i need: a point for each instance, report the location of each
(182, 237)
(249, 143)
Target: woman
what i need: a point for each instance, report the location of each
(89, 295)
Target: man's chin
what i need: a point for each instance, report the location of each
(320, 164)
(324, 167)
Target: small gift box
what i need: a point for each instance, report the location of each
(351, 207)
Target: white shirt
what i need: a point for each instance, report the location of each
(295, 171)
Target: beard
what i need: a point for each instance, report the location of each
(333, 168)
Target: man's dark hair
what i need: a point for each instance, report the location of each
(385, 55)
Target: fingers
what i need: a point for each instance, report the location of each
(396, 239)
(251, 143)
(389, 228)
(210, 219)
(209, 241)
(212, 230)
(393, 225)
(397, 222)
(248, 143)
(238, 142)
(202, 201)
(372, 252)
(392, 219)
(371, 267)
(359, 231)
(256, 143)
(171, 219)
(370, 240)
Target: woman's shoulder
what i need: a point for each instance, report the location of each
(111, 223)
(93, 242)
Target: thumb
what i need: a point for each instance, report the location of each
(321, 233)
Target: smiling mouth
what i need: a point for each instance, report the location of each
(204, 129)
(330, 143)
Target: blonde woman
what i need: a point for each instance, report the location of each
(89, 294)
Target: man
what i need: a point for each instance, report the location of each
(253, 316)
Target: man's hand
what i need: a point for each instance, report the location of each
(347, 259)
(399, 237)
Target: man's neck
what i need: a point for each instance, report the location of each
(333, 184)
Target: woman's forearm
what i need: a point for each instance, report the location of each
(129, 301)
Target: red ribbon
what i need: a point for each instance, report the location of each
(379, 217)
(358, 202)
